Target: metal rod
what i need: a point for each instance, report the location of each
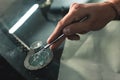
(48, 45)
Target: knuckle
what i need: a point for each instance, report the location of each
(73, 4)
(76, 5)
(67, 31)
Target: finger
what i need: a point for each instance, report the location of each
(61, 24)
(68, 19)
(78, 27)
(75, 5)
(74, 37)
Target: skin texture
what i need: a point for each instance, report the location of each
(116, 4)
(99, 14)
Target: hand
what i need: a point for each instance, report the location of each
(99, 15)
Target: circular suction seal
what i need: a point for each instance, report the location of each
(38, 60)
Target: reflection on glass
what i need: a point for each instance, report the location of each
(36, 45)
(40, 58)
(24, 18)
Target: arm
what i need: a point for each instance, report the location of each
(99, 15)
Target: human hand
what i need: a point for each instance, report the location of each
(99, 15)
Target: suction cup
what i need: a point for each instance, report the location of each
(37, 57)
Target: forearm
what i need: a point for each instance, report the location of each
(116, 4)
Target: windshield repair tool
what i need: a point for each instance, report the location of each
(38, 59)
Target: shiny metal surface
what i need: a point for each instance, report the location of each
(38, 60)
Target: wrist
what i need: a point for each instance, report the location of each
(115, 5)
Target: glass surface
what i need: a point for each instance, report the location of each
(36, 45)
(37, 28)
(40, 58)
(51, 11)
